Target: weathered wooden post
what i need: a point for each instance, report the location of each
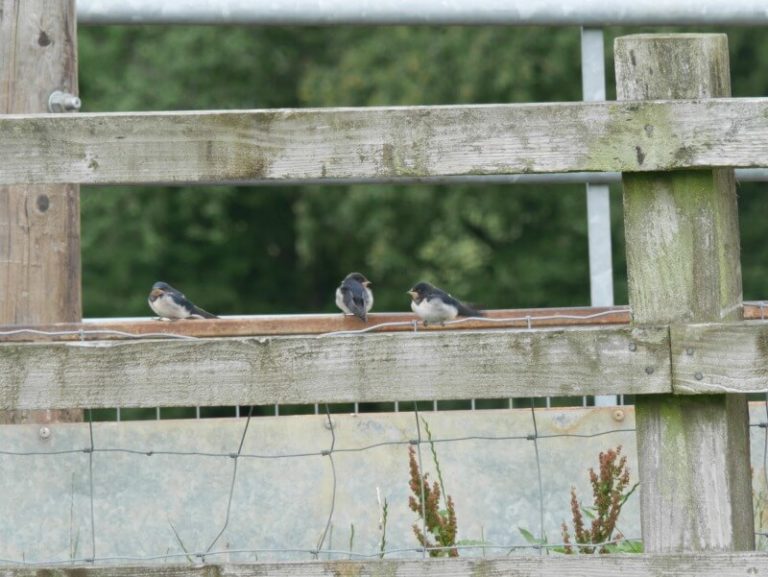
(683, 265)
(39, 225)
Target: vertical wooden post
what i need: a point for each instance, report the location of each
(39, 225)
(683, 265)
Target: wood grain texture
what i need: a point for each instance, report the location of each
(701, 565)
(39, 224)
(683, 250)
(682, 247)
(720, 358)
(267, 325)
(756, 311)
(335, 369)
(263, 145)
(683, 265)
(310, 324)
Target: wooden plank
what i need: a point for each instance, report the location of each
(39, 224)
(720, 358)
(309, 324)
(682, 235)
(335, 369)
(709, 565)
(682, 239)
(173, 147)
(265, 325)
(756, 311)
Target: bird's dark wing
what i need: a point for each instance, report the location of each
(354, 298)
(193, 309)
(436, 293)
(464, 310)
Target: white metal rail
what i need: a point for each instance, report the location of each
(593, 13)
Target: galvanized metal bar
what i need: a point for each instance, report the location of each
(742, 175)
(432, 12)
(600, 255)
(598, 199)
(598, 195)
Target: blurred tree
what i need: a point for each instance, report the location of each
(498, 246)
(284, 249)
(230, 248)
(749, 73)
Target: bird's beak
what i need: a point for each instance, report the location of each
(156, 293)
(367, 283)
(413, 294)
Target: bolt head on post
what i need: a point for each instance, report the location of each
(60, 101)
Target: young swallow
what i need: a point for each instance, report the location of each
(169, 303)
(433, 305)
(354, 297)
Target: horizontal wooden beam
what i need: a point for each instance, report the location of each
(756, 310)
(138, 369)
(262, 325)
(719, 358)
(297, 144)
(313, 324)
(335, 369)
(680, 565)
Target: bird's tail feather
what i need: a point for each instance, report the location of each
(203, 313)
(468, 311)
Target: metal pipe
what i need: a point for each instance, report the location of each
(430, 12)
(742, 175)
(598, 195)
(598, 199)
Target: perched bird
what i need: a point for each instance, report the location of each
(433, 305)
(354, 297)
(169, 303)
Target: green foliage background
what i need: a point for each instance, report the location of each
(251, 250)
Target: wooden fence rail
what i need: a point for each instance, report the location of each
(681, 565)
(311, 324)
(336, 369)
(317, 324)
(692, 359)
(219, 146)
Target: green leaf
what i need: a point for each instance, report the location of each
(626, 495)
(528, 536)
(626, 546)
(472, 542)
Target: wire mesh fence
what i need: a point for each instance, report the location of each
(318, 485)
(129, 492)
